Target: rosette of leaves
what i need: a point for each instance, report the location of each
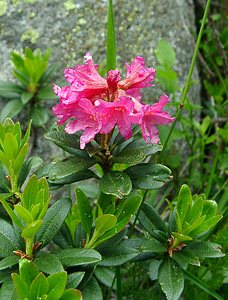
(175, 244)
(32, 86)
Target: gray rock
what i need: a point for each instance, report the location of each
(71, 28)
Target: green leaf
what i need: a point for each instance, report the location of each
(46, 93)
(111, 41)
(10, 146)
(74, 279)
(116, 183)
(209, 209)
(39, 286)
(103, 223)
(148, 176)
(20, 159)
(8, 291)
(167, 78)
(92, 291)
(31, 230)
(184, 201)
(195, 211)
(57, 283)
(206, 225)
(105, 276)
(77, 257)
(10, 212)
(48, 263)
(85, 210)
(30, 190)
(10, 90)
(171, 279)
(184, 257)
(115, 256)
(28, 270)
(136, 152)
(39, 116)
(205, 249)
(69, 166)
(11, 109)
(25, 97)
(20, 286)
(71, 294)
(8, 262)
(153, 216)
(165, 54)
(68, 142)
(153, 269)
(8, 240)
(145, 245)
(128, 206)
(53, 220)
(23, 213)
(28, 165)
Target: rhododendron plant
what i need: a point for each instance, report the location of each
(96, 105)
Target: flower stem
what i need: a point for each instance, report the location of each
(188, 81)
(118, 282)
(29, 246)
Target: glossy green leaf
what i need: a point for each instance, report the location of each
(171, 279)
(148, 176)
(69, 166)
(85, 210)
(57, 283)
(28, 270)
(10, 146)
(77, 257)
(39, 116)
(8, 291)
(31, 189)
(116, 183)
(11, 109)
(184, 257)
(23, 213)
(68, 142)
(10, 90)
(20, 159)
(48, 263)
(153, 216)
(74, 279)
(206, 225)
(153, 269)
(165, 54)
(128, 206)
(31, 229)
(209, 209)
(136, 151)
(39, 286)
(115, 256)
(46, 93)
(53, 220)
(71, 294)
(92, 291)
(184, 201)
(21, 287)
(29, 164)
(105, 276)
(103, 223)
(8, 262)
(8, 240)
(25, 97)
(205, 249)
(196, 210)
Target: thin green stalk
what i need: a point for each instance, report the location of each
(111, 288)
(111, 41)
(29, 247)
(188, 81)
(119, 284)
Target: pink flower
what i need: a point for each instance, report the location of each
(118, 113)
(152, 116)
(87, 119)
(138, 76)
(96, 105)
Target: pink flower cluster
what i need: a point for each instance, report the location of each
(96, 105)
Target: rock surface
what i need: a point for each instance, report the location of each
(71, 28)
